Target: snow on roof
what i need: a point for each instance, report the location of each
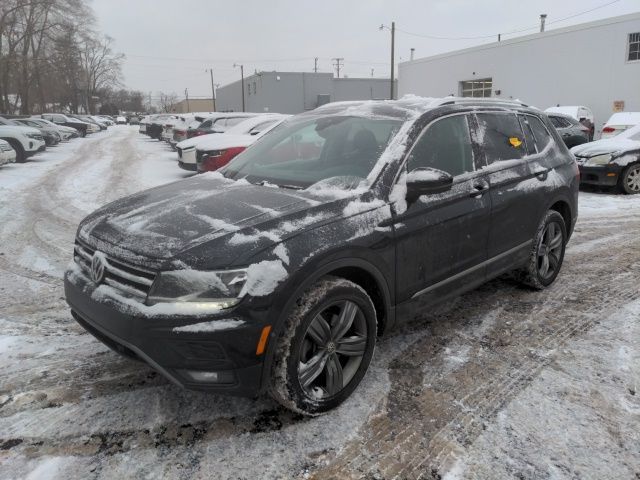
(624, 118)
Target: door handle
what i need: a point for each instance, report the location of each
(479, 189)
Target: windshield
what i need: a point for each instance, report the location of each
(301, 153)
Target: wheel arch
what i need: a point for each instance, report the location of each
(355, 269)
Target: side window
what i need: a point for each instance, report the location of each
(501, 137)
(528, 135)
(542, 136)
(445, 145)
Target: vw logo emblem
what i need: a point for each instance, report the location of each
(97, 267)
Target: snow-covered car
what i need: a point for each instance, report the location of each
(91, 127)
(120, 120)
(215, 152)
(66, 133)
(611, 162)
(251, 126)
(572, 132)
(26, 141)
(582, 114)
(219, 123)
(63, 120)
(277, 273)
(7, 153)
(51, 134)
(619, 122)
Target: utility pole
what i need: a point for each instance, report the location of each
(186, 94)
(372, 72)
(315, 65)
(241, 81)
(337, 64)
(543, 19)
(213, 90)
(499, 37)
(393, 51)
(413, 51)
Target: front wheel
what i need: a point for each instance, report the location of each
(630, 179)
(325, 348)
(547, 252)
(21, 155)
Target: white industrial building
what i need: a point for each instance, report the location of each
(594, 64)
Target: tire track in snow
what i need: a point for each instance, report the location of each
(395, 449)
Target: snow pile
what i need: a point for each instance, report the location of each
(211, 326)
(263, 278)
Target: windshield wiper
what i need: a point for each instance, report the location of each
(292, 187)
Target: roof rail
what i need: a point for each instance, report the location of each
(476, 100)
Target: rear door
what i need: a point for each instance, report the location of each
(441, 239)
(513, 188)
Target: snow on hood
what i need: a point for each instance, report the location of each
(627, 141)
(166, 221)
(193, 142)
(21, 129)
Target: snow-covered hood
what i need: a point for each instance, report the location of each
(219, 142)
(615, 146)
(9, 129)
(205, 221)
(193, 142)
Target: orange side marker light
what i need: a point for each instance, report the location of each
(262, 343)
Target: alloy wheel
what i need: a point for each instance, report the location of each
(550, 250)
(333, 347)
(632, 179)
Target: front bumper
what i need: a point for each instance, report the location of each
(606, 175)
(230, 352)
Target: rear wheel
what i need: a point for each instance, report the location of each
(630, 179)
(325, 348)
(547, 252)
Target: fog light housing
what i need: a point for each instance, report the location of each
(225, 377)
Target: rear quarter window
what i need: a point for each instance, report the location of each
(501, 137)
(540, 132)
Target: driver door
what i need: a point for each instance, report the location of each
(441, 239)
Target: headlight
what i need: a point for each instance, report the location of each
(34, 136)
(215, 289)
(599, 160)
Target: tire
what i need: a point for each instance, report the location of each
(343, 348)
(21, 156)
(83, 133)
(630, 179)
(549, 241)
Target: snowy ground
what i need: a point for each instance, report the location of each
(503, 383)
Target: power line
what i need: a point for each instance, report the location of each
(521, 30)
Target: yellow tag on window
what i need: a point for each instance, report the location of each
(515, 141)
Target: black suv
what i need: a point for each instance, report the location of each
(277, 273)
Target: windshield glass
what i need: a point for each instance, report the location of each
(301, 153)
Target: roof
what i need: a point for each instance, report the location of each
(531, 37)
(406, 107)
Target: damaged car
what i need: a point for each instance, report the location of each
(611, 162)
(277, 273)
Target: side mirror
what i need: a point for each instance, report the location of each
(427, 181)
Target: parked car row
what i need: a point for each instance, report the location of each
(26, 136)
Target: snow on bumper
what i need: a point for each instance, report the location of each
(188, 350)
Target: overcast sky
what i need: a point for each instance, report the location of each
(170, 43)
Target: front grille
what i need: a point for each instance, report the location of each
(179, 152)
(129, 279)
(199, 155)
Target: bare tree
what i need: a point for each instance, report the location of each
(167, 101)
(101, 68)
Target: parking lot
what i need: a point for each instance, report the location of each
(501, 383)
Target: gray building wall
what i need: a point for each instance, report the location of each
(295, 92)
(580, 65)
